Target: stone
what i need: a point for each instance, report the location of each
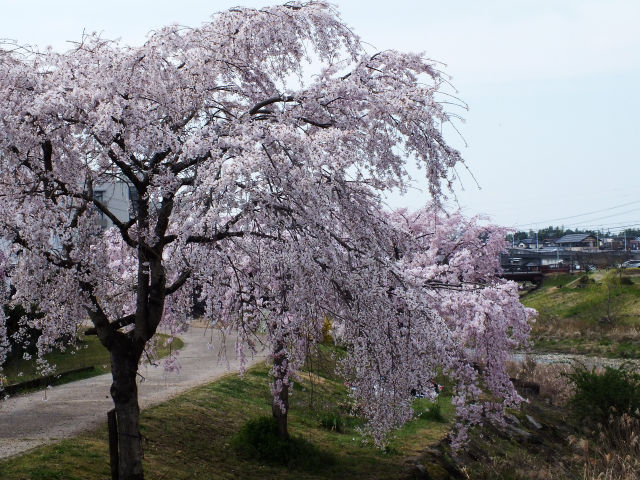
(534, 422)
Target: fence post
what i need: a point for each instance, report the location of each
(114, 460)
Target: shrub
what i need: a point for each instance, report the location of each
(597, 394)
(332, 421)
(259, 439)
(433, 412)
(584, 280)
(327, 326)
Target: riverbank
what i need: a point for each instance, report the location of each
(595, 314)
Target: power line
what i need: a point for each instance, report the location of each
(583, 214)
(606, 216)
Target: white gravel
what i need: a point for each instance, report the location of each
(30, 420)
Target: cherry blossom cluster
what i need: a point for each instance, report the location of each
(452, 314)
(258, 179)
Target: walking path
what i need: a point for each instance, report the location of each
(30, 420)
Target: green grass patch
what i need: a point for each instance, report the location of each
(433, 411)
(87, 352)
(193, 435)
(594, 314)
(258, 439)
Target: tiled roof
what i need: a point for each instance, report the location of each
(574, 238)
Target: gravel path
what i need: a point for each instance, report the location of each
(30, 420)
(588, 361)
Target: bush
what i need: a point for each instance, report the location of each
(327, 337)
(433, 412)
(259, 439)
(584, 280)
(550, 377)
(332, 421)
(598, 394)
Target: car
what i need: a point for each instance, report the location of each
(631, 264)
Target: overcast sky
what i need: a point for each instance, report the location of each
(553, 89)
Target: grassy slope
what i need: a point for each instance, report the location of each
(89, 352)
(188, 437)
(572, 317)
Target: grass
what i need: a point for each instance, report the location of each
(600, 316)
(191, 436)
(259, 439)
(88, 352)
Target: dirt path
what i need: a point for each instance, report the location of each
(30, 420)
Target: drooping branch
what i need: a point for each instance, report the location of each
(179, 282)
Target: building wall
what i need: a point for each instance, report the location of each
(116, 196)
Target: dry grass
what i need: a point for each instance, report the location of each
(551, 377)
(615, 453)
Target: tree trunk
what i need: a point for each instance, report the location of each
(124, 391)
(280, 406)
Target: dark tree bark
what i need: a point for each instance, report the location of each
(281, 399)
(125, 356)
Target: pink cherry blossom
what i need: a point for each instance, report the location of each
(257, 183)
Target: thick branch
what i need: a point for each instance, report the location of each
(181, 166)
(128, 172)
(316, 124)
(118, 324)
(269, 101)
(180, 281)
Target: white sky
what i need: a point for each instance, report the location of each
(553, 89)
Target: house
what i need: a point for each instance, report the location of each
(527, 243)
(578, 241)
(118, 196)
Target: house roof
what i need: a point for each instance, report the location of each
(528, 241)
(575, 238)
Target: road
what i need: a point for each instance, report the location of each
(30, 420)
